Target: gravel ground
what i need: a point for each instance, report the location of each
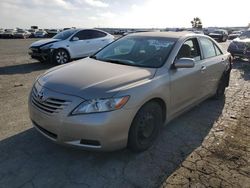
(207, 146)
(223, 159)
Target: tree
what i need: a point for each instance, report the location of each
(196, 23)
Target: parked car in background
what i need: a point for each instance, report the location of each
(1, 32)
(234, 35)
(219, 35)
(123, 95)
(240, 47)
(70, 44)
(32, 31)
(198, 32)
(20, 33)
(40, 34)
(52, 32)
(8, 33)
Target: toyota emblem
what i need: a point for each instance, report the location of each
(40, 96)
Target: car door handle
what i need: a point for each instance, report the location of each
(203, 68)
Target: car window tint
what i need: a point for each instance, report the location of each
(83, 35)
(98, 34)
(207, 48)
(90, 34)
(190, 49)
(217, 50)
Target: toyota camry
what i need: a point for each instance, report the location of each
(123, 95)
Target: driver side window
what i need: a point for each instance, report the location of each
(83, 35)
(190, 49)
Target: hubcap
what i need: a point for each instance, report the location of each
(146, 128)
(61, 57)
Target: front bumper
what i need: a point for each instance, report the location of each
(41, 55)
(19, 36)
(105, 131)
(7, 36)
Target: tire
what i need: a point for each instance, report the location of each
(220, 92)
(145, 127)
(61, 56)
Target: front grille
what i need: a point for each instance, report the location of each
(48, 105)
(35, 50)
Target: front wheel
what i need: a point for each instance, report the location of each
(145, 127)
(61, 56)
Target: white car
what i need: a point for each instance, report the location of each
(70, 44)
(40, 34)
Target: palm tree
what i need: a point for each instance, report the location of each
(196, 23)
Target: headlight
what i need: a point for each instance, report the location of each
(100, 105)
(46, 46)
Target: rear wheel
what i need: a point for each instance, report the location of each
(145, 127)
(220, 92)
(61, 56)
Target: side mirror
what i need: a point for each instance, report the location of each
(75, 39)
(184, 63)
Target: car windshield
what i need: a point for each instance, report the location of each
(64, 34)
(236, 32)
(246, 34)
(138, 51)
(218, 32)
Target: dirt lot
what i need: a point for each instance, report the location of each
(208, 146)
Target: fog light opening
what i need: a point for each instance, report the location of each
(90, 142)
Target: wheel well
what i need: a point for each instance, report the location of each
(162, 105)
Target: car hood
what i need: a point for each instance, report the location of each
(44, 42)
(244, 40)
(89, 78)
(214, 34)
(234, 34)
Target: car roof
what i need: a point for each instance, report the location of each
(167, 34)
(91, 29)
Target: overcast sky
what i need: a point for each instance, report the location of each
(122, 13)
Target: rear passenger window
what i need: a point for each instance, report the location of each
(207, 48)
(98, 34)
